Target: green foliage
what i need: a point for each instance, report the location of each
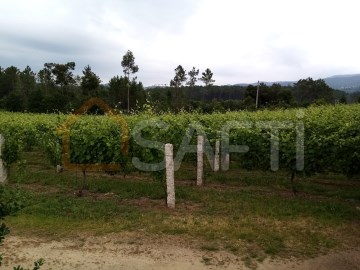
(192, 77)
(9, 81)
(37, 265)
(259, 212)
(95, 140)
(207, 78)
(331, 139)
(307, 91)
(12, 201)
(177, 82)
(128, 64)
(35, 101)
(89, 81)
(55, 89)
(180, 77)
(10, 153)
(62, 73)
(14, 102)
(54, 103)
(118, 87)
(271, 96)
(343, 99)
(3, 232)
(27, 80)
(221, 98)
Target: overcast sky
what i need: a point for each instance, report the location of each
(239, 40)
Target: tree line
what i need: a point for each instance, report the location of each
(185, 94)
(55, 88)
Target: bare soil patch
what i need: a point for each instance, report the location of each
(131, 251)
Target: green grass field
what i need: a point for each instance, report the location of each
(250, 213)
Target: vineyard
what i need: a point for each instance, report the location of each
(248, 210)
(329, 140)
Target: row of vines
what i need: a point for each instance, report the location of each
(331, 139)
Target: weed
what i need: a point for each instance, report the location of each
(255, 209)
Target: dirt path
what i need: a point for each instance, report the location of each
(127, 252)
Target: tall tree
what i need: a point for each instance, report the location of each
(63, 74)
(35, 102)
(27, 80)
(117, 91)
(207, 78)
(307, 91)
(10, 81)
(128, 64)
(46, 78)
(89, 81)
(177, 82)
(15, 102)
(192, 77)
(180, 77)
(27, 84)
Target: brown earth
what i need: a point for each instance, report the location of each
(131, 251)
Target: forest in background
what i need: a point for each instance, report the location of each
(56, 89)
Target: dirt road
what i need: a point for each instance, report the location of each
(127, 252)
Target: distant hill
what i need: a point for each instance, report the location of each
(282, 83)
(347, 83)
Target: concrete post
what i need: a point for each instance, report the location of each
(3, 173)
(217, 156)
(170, 184)
(200, 160)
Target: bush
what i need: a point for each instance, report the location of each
(10, 202)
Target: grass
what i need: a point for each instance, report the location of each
(242, 212)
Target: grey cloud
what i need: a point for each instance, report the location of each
(156, 14)
(69, 37)
(83, 32)
(290, 57)
(44, 45)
